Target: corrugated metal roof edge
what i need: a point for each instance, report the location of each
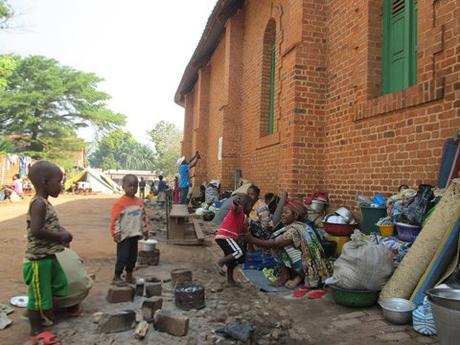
(209, 40)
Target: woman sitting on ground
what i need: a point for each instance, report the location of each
(298, 247)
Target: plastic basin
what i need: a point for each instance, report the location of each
(338, 229)
(354, 298)
(387, 230)
(407, 232)
(340, 240)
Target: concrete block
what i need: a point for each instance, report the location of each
(150, 306)
(118, 294)
(180, 275)
(152, 289)
(139, 289)
(172, 323)
(148, 258)
(117, 322)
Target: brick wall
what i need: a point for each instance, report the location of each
(375, 143)
(334, 131)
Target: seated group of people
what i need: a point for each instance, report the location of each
(16, 189)
(277, 223)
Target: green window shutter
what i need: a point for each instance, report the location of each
(271, 105)
(413, 43)
(399, 44)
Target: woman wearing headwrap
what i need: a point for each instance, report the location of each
(298, 248)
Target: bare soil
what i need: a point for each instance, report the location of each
(278, 320)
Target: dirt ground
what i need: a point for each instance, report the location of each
(278, 319)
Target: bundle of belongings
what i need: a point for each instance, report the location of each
(434, 255)
(362, 265)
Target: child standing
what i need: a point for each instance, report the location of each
(227, 237)
(45, 237)
(128, 225)
(142, 189)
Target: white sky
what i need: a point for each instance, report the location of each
(140, 48)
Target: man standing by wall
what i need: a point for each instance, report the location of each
(184, 173)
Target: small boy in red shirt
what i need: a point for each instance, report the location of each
(227, 237)
(128, 225)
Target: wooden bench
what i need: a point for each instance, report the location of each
(182, 228)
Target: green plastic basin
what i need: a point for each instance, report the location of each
(354, 298)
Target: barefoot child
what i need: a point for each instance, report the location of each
(227, 237)
(45, 237)
(128, 225)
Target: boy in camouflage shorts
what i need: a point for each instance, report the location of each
(45, 237)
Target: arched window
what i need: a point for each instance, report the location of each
(267, 123)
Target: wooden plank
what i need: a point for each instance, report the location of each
(198, 231)
(186, 242)
(179, 211)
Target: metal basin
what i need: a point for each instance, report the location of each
(345, 213)
(449, 298)
(397, 310)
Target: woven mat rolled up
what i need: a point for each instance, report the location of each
(417, 260)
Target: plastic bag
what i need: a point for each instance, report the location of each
(378, 200)
(363, 200)
(362, 265)
(423, 320)
(418, 207)
(237, 330)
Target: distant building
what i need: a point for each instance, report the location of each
(338, 95)
(117, 175)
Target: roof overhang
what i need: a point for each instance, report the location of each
(210, 38)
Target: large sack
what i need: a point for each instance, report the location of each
(417, 260)
(362, 265)
(78, 281)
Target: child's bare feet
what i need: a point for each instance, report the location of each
(130, 278)
(117, 281)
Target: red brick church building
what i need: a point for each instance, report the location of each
(343, 96)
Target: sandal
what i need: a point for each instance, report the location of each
(300, 292)
(316, 294)
(45, 338)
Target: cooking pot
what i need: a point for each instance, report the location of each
(148, 245)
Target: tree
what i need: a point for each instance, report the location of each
(44, 99)
(7, 66)
(5, 13)
(167, 138)
(5, 146)
(119, 150)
